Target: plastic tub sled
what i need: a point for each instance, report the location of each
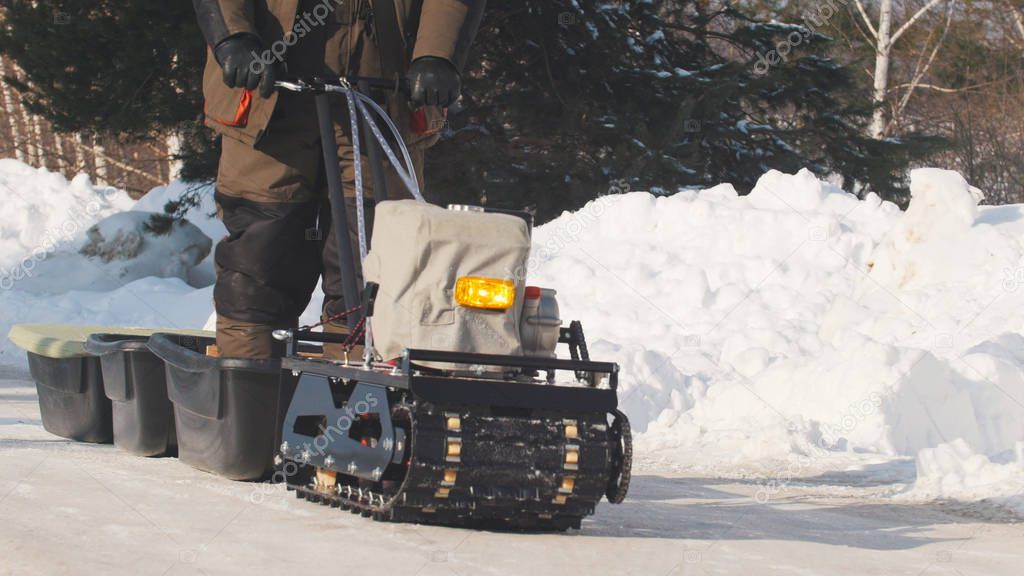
(135, 383)
(68, 380)
(227, 411)
(80, 370)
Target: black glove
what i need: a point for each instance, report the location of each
(433, 81)
(241, 59)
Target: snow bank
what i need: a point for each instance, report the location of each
(203, 216)
(43, 212)
(61, 236)
(120, 249)
(795, 329)
(73, 252)
(954, 471)
(936, 242)
(798, 323)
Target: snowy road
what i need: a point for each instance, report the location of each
(85, 509)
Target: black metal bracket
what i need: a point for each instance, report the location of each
(317, 432)
(369, 298)
(577, 341)
(577, 365)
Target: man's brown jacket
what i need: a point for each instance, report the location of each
(443, 28)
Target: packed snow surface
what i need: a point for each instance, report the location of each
(780, 335)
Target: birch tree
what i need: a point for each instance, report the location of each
(1017, 14)
(100, 159)
(174, 164)
(58, 151)
(38, 144)
(885, 38)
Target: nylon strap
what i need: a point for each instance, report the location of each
(361, 105)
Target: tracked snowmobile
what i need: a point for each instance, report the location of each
(458, 411)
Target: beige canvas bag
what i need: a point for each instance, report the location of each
(418, 252)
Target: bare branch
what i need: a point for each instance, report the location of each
(942, 89)
(931, 59)
(913, 19)
(864, 15)
(970, 88)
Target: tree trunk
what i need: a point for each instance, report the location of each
(10, 110)
(37, 138)
(1018, 19)
(78, 162)
(58, 151)
(99, 158)
(883, 49)
(173, 149)
(26, 140)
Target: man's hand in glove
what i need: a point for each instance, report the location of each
(240, 58)
(433, 81)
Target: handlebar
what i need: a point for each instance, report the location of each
(320, 85)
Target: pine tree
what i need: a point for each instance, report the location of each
(565, 99)
(573, 98)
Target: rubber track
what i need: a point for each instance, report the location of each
(509, 476)
(618, 485)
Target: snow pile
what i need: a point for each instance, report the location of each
(57, 236)
(797, 324)
(796, 329)
(936, 242)
(72, 252)
(120, 249)
(43, 212)
(954, 471)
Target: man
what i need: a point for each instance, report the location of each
(271, 192)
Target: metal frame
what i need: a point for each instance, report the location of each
(402, 375)
(477, 390)
(525, 362)
(321, 89)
